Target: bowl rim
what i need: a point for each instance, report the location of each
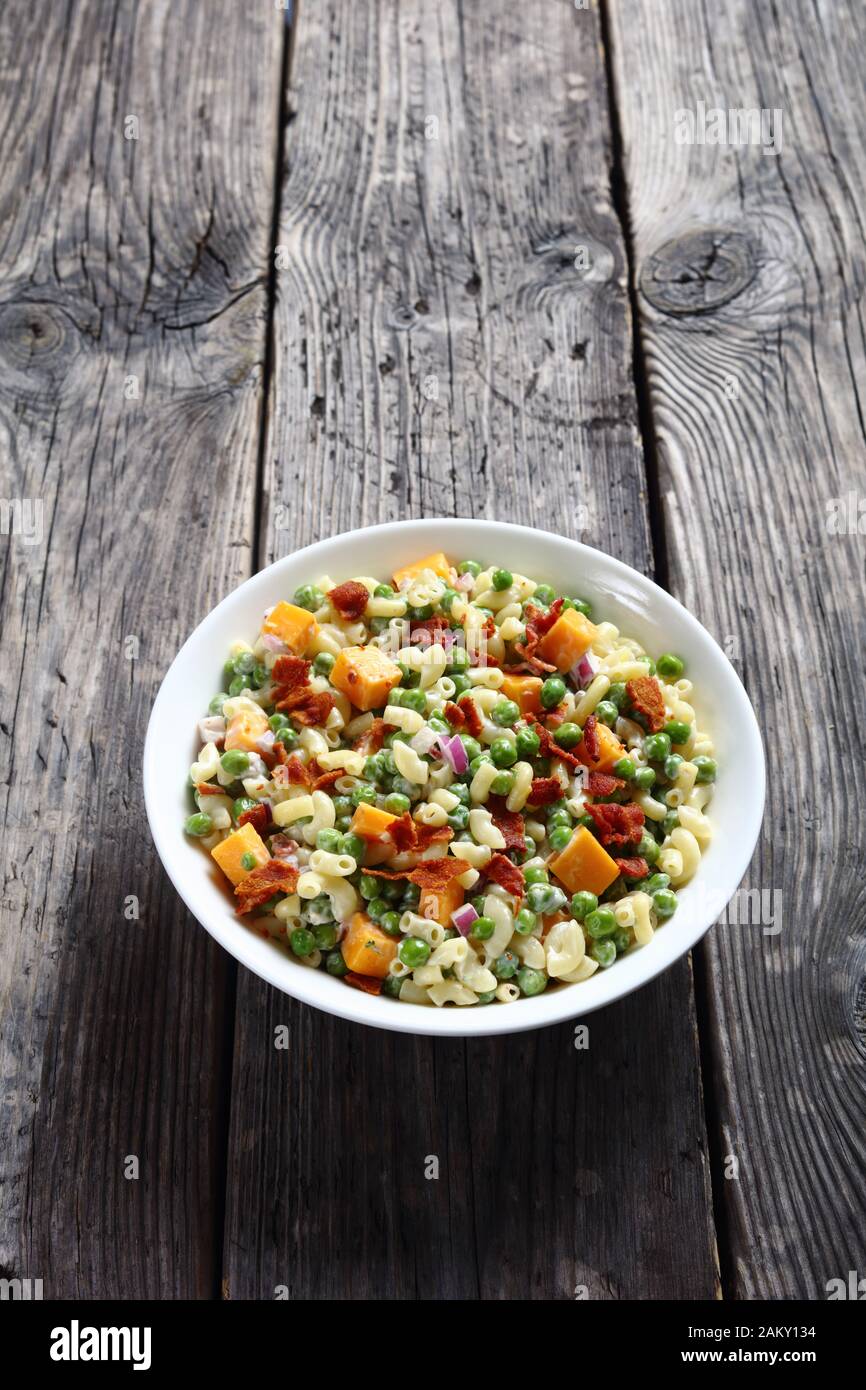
(355, 1006)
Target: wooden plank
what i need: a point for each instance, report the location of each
(438, 350)
(753, 334)
(136, 189)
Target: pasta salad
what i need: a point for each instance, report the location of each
(457, 787)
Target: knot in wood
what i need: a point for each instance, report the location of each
(699, 272)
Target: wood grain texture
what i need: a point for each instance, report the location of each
(754, 342)
(441, 347)
(132, 318)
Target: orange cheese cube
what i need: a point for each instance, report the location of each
(244, 730)
(366, 676)
(366, 948)
(584, 864)
(438, 904)
(436, 562)
(571, 635)
(369, 822)
(609, 750)
(294, 626)
(525, 691)
(230, 851)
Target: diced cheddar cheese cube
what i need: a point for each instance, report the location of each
(294, 626)
(366, 948)
(366, 676)
(609, 750)
(369, 822)
(245, 728)
(438, 904)
(584, 864)
(230, 851)
(571, 635)
(525, 691)
(436, 562)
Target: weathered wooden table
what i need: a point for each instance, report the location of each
(265, 278)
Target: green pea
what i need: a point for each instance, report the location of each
(479, 762)
(707, 769)
(582, 904)
(447, 600)
(649, 663)
(362, 791)
(502, 783)
(335, 965)
(401, 786)
(248, 861)
(604, 952)
(665, 902)
(670, 822)
(277, 723)
(525, 921)
(438, 722)
(552, 692)
(368, 887)
(469, 567)
(657, 747)
(560, 837)
(624, 767)
(544, 594)
(376, 907)
(600, 923)
(390, 923)
(502, 579)
(391, 986)
(482, 928)
(328, 840)
(583, 606)
(557, 815)
(678, 731)
(323, 664)
(235, 762)
(384, 591)
(528, 743)
(318, 909)
(544, 898)
(396, 804)
(478, 903)
(506, 966)
(309, 597)
(325, 935)
(670, 666)
(216, 704)
(568, 735)
(536, 873)
(487, 996)
(617, 694)
(606, 712)
(531, 981)
(354, 846)
(243, 803)
(393, 892)
(530, 849)
(342, 805)
(302, 942)
(241, 665)
(461, 791)
(378, 625)
(647, 848)
(238, 686)
(198, 824)
(471, 745)
(259, 677)
(503, 752)
(458, 660)
(672, 764)
(411, 896)
(644, 778)
(414, 951)
(415, 700)
(461, 684)
(622, 940)
(505, 713)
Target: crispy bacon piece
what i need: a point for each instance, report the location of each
(290, 673)
(506, 874)
(372, 739)
(259, 817)
(549, 747)
(367, 983)
(539, 622)
(617, 825)
(531, 663)
(604, 784)
(428, 835)
(349, 599)
(509, 822)
(308, 706)
(434, 874)
(454, 714)
(438, 623)
(297, 773)
(647, 699)
(284, 847)
(327, 779)
(208, 789)
(544, 790)
(590, 738)
(474, 722)
(263, 883)
(635, 867)
(408, 835)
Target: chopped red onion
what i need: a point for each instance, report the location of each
(463, 918)
(453, 752)
(424, 740)
(273, 643)
(465, 582)
(583, 671)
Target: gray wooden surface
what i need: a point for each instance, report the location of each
(385, 263)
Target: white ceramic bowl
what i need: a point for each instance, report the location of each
(619, 594)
